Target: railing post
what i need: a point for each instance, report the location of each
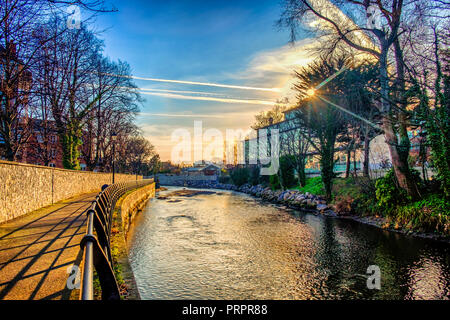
(87, 289)
(99, 217)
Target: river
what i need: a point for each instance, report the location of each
(227, 245)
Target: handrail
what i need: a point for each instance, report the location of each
(97, 247)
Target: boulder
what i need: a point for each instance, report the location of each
(322, 207)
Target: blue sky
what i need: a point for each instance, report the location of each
(224, 42)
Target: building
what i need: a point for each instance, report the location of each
(13, 92)
(205, 170)
(289, 131)
(43, 146)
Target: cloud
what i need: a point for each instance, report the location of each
(268, 69)
(275, 67)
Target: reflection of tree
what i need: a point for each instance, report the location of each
(345, 249)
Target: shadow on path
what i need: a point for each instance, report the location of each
(37, 250)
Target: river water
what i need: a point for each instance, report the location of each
(228, 245)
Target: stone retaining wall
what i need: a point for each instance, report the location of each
(133, 203)
(126, 209)
(25, 188)
(181, 180)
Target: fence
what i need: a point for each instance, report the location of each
(97, 248)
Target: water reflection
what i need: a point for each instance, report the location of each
(230, 246)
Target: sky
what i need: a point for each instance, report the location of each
(230, 43)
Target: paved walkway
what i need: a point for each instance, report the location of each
(36, 250)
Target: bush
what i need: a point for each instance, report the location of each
(274, 182)
(313, 186)
(287, 171)
(431, 214)
(344, 205)
(239, 176)
(224, 179)
(254, 176)
(389, 195)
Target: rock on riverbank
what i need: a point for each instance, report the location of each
(308, 202)
(291, 198)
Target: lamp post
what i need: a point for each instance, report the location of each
(113, 138)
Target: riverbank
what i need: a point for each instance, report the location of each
(230, 246)
(128, 206)
(317, 204)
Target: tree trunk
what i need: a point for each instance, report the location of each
(400, 166)
(366, 154)
(347, 167)
(301, 173)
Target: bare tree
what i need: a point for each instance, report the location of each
(272, 116)
(117, 103)
(295, 144)
(383, 43)
(18, 20)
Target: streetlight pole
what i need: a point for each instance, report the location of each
(113, 138)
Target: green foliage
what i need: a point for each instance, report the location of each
(254, 178)
(434, 113)
(388, 194)
(240, 176)
(224, 179)
(70, 143)
(274, 182)
(287, 171)
(313, 186)
(432, 213)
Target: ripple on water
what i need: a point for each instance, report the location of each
(230, 246)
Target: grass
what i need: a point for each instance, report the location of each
(430, 214)
(118, 250)
(313, 186)
(342, 187)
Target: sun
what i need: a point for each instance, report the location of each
(310, 92)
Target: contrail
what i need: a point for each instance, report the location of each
(196, 83)
(180, 91)
(173, 115)
(226, 100)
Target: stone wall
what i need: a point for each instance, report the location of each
(180, 180)
(24, 187)
(133, 203)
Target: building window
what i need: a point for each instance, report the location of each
(52, 165)
(53, 153)
(53, 139)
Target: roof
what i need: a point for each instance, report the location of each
(201, 168)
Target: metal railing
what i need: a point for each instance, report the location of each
(97, 247)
